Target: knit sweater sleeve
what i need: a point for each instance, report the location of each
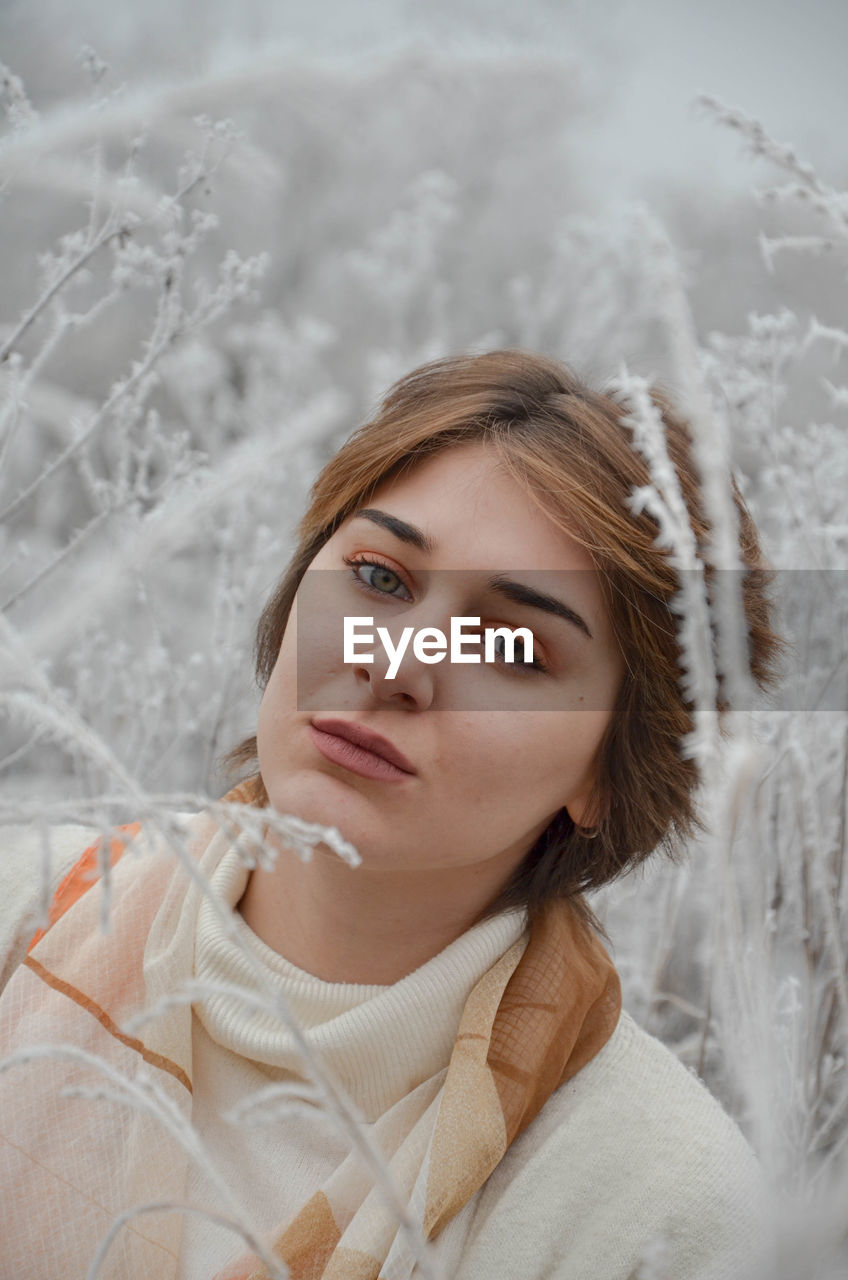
(632, 1171)
(21, 882)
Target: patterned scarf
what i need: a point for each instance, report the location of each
(70, 1169)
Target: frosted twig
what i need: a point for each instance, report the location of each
(772, 246)
(19, 110)
(112, 230)
(237, 278)
(70, 124)
(831, 203)
(710, 446)
(273, 1102)
(240, 276)
(818, 332)
(70, 547)
(814, 845)
(175, 522)
(192, 990)
(664, 501)
(135, 379)
(66, 322)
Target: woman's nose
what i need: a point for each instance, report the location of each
(399, 678)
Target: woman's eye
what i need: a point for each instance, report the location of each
(379, 579)
(518, 663)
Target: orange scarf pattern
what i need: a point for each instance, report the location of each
(73, 1171)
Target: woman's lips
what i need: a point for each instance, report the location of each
(366, 763)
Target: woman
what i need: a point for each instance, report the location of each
(453, 982)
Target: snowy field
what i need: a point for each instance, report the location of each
(218, 252)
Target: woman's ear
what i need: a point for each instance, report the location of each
(584, 808)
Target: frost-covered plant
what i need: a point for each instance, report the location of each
(147, 487)
(759, 1003)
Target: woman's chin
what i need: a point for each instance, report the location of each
(316, 796)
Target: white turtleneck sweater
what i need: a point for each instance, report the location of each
(632, 1160)
(380, 1042)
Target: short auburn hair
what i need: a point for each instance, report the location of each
(568, 446)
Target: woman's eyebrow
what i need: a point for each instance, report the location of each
(520, 593)
(517, 592)
(406, 532)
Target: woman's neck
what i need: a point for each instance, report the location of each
(360, 925)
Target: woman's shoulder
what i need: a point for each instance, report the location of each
(631, 1155)
(36, 862)
(638, 1078)
(636, 1085)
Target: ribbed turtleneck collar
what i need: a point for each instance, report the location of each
(379, 1041)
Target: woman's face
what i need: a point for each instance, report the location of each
(496, 749)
